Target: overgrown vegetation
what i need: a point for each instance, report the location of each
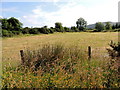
(115, 50)
(54, 66)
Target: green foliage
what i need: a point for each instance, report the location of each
(116, 26)
(66, 29)
(6, 33)
(4, 23)
(113, 27)
(14, 24)
(74, 29)
(26, 30)
(51, 30)
(81, 24)
(33, 31)
(44, 30)
(14, 27)
(11, 24)
(16, 32)
(114, 64)
(59, 27)
(108, 26)
(99, 26)
(115, 51)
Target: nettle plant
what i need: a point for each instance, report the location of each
(113, 65)
(114, 51)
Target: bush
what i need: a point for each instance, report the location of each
(33, 31)
(104, 31)
(113, 66)
(99, 26)
(115, 51)
(51, 30)
(48, 56)
(66, 29)
(25, 30)
(6, 33)
(16, 32)
(74, 29)
(93, 30)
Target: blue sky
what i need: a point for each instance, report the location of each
(18, 9)
(41, 13)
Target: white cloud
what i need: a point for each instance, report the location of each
(1, 16)
(70, 12)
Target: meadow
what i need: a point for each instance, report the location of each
(12, 46)
(80, 73)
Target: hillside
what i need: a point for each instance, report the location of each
(93, 25)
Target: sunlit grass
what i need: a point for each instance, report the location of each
(73, 70)
(98, 42)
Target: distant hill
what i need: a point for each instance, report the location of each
(92, 26)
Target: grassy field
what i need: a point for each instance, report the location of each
(98, 41)
(62, 60)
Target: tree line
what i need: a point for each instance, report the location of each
(13, 26)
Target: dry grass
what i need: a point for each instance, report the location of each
(72, 69)
(98, 42)
(54, 66)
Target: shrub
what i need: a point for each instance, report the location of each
(115, 51)
(51, 30)
(113, 66)
(6, 33)
(45, 30)
(66, 29)
(99, 26)
(25, 30)
(16, 32)
(74, 29)
(48, 56)
(33, 31)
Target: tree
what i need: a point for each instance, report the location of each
(44, 30)
(99, 26)
(74, 29)
(113, 27)
(51, 29)
(59, 27)
(119, 25)
(116, 26)
(11, 24)
(14, 24)
(108, 26)
(4, 24)
(33, 31)
(26, 30)
(81, 24)
(67, 29)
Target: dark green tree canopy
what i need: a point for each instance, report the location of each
(108, 26)
(81, 24)
(4, 23)
(59, 27)
(99, 26)
(11, 24)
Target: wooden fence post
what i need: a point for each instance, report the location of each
(89, 52)
(22, 56)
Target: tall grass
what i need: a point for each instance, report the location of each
(98, 42)
(54, 66)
